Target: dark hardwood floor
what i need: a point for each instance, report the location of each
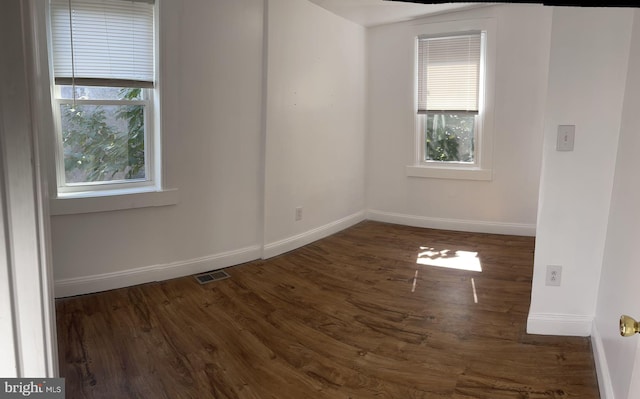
(351, 316)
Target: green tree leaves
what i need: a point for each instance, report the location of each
(449, 137)
(104, 142)
(134, 115)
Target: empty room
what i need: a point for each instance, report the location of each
(319, 199)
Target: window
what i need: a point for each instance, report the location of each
(453, 137)
(448, 92)
(104, 95)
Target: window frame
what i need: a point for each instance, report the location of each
(481, 168)
(65, 188)
(152, 103)
(158, 195)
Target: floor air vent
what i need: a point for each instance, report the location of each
(212, 276)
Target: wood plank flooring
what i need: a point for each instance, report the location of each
(351, 316)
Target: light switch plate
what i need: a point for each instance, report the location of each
(566, 137)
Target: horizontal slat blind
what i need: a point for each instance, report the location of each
(112, 41)
(449, 73)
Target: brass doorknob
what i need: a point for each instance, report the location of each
(628, 326)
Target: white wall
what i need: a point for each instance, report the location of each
(212, 53)
(618, 292)
(238, 181)
(587, 69)
(315, 124)
(508, 203)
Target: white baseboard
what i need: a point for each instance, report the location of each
(559, 324)
(602, 367)
(147, 274)
(476, 226)
(297, 241)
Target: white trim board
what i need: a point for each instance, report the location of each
(147, 274)
(475, 226)
(559, 324)
(112, 200)
(602, 367)
(290, 243)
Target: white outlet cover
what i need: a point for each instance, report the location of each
(566, 137)
(554, 275)
(298, 213)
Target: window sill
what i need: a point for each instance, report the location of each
(111, 200)
(451, 172)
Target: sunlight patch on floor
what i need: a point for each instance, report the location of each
(461, 260)
(475, 294)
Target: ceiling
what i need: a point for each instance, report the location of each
(377, 12)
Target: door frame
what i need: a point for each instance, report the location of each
(25, 243)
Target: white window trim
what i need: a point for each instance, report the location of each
(118, 197)
(67, 189)
(481, 169)
(112, 200)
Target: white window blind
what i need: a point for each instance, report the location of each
(449, 73)
(113, 42)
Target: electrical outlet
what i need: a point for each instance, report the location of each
(566, 137)
(299, 213)
(554, 275)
